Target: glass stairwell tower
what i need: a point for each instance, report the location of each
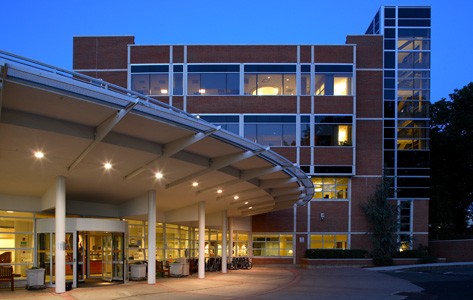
(407, 50)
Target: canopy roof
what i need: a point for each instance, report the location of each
(80, 123)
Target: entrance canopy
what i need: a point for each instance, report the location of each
(114, 145)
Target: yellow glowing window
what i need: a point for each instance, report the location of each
(341, 86)
(266, 90)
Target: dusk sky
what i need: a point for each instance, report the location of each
(43, 30)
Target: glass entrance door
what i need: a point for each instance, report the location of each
(112, 256)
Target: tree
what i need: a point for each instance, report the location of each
(383, 217)
(451, 147)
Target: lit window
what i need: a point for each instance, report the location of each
(328, 241)
(330, 188)
(270, 80)
(272, 244)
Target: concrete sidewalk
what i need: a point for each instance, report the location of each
(258, 283)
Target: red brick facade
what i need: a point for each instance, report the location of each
(109, 58)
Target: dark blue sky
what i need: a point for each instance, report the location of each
(43, 30)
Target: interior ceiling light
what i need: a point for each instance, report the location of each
(219, 191)
(246, 202)
(10, 211)
(39, 154)
(164, 91)
(158, 175)
(107, 166)
(236, 197)
(251, 207)
(195, 183)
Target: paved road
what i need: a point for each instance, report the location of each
(262, 283)
(439, 283)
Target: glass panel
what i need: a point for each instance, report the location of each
(413, 60)
(305, 84)
(320, 85)
(250, 84)
(213, 83)
(269, 84)
(342, 86)
(305, 134)
(178, 84)
(233, 84)
(289, 84)
(159, 84)
(193, 84)
(333, 135)
(330, 187)
(140, 83)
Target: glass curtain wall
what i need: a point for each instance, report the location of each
(17, 241)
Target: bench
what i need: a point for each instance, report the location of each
(161, 270)
(6, 275)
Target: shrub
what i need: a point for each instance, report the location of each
(408, 254)
(335, 253)
(428, 259)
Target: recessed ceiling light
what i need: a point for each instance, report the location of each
(158, 175)
(219, 191)
(39, 154)
(251, 207)
(107, 166)
(246, 202)
(236, 197)
(10, 211)
(195, 183)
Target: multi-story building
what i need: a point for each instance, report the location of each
(346, 114)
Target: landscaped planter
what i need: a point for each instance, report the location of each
(35, 279)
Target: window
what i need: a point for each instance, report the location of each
(330, 188)
(240, 243)
(137, 240)
(405, 224)
(272, 244)
(412, 135)
(328, 241)
(271, 130)
(178, 80)
(213, 80)
(305, 131)
(305, 80)
(333, 130)
(270, 80)
(16, 241)
(413, 60)
(150, 79)
(333, 80)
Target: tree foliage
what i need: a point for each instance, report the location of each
(451, 163)
(383, 217)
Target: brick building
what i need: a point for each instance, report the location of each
(344, 113)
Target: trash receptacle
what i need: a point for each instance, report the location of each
(175, 269)
(137, 271)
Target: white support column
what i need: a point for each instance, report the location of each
(230, 242)
(224, 241)
(60, 234)
(202, 239)
(152, 237)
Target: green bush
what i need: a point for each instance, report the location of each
(428, 259)
(409, 254)
(335, 253)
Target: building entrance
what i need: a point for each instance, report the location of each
(90, 254)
